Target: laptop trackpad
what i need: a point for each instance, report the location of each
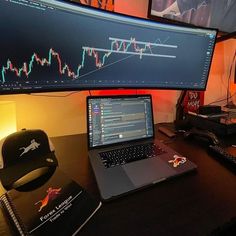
(148, 171)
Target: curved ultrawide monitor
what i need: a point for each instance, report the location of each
(59, 46)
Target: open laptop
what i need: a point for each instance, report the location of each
(124, 125)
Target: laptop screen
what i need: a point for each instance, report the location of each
(116, 119)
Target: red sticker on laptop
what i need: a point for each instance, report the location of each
(177, 160)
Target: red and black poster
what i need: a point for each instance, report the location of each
(193, 100)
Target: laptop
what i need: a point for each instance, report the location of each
(122, 149)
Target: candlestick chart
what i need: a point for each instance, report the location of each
(127, 47)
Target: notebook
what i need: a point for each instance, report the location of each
(54, 206)
(117, 124)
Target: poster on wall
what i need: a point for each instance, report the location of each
(102, 4)
(193, 100)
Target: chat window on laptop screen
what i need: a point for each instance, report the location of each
(115, 120)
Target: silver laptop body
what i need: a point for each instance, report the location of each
(116, 122)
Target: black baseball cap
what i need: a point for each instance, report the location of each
(23, 152)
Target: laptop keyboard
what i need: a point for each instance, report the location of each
(129, 154)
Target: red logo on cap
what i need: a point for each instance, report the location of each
(51, 194)
(177, 160)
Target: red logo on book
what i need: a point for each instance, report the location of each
(51, 194)
(177, 160)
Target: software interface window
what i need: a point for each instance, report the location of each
(114, 120)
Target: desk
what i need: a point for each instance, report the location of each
(193, 204)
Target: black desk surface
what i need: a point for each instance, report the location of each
(193, 204)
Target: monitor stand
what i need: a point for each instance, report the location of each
(180, 119)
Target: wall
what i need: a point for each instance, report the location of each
(135, 8)
(230, 50)
(220, 73)
(59, 114)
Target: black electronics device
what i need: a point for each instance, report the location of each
(222, 126)
(202, 134)
(224, 156)
(209, 109)
(167, 131)
(86, 48)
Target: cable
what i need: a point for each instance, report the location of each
(221, 100)
(228, 96)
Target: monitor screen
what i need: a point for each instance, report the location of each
(220, 14)
(116, 119)
(62, 46)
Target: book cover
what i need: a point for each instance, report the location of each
(59, 206)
